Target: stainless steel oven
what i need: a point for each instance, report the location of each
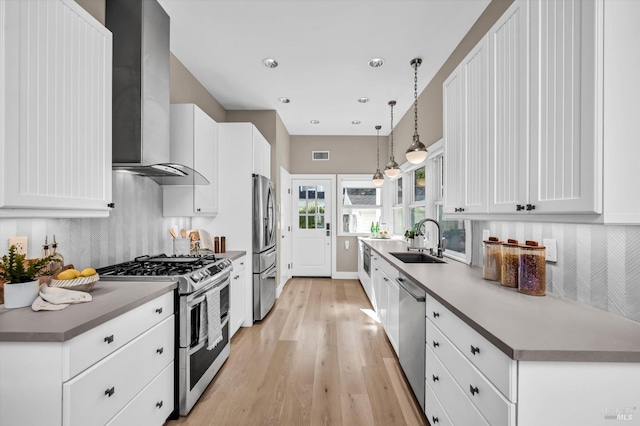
(197, 364)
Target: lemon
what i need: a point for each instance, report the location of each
(69, 274)
(75, 271)
(87, 272)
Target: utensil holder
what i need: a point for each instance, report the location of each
(181, 246)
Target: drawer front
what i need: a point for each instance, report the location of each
(386, 267)
(88, 348)
(432, 408)
(97, 394)
(453, 400)
(239, 264)
(488, 400)
(152, 406)
(491, 361)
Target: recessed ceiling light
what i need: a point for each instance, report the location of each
(356, 122)
(315, 122)
(376, 62)
(270, 63)
(284, 100)
(363, 100)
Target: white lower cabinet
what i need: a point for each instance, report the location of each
(238, 279)
(435, 413)
(387, 298)
(121, 371)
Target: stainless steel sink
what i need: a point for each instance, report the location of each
(409, 257)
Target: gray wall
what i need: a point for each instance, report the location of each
(597, 265)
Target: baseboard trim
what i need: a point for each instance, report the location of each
(345, 275)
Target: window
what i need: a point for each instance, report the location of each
(360, 204)
(311, 206)
(417, 206)
(398, 208)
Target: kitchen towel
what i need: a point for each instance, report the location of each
(55, 298)
(214, 327)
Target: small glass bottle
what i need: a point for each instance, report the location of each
(57, 263)
(492, 263)
(373, 229)
(510, 263)
(377, 230)
(532, 275)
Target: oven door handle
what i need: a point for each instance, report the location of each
(269, 273)
(203, 342)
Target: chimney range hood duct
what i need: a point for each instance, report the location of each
(140, 134)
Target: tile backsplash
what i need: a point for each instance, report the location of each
(135, 227)
(597, 265)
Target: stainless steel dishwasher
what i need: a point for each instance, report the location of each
(412, 334)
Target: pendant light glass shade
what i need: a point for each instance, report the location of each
(417, 152)
(378, 178)
(392, 170)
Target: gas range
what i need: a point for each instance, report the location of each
(191, 271)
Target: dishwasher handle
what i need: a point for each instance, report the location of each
(415, 292)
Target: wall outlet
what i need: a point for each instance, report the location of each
(20, 243)
(552, 249)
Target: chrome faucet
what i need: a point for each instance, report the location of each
(440, 248)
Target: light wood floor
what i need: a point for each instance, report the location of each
(316, 359)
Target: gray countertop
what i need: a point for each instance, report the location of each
(233, 255)
(526, 328)
(110, 299)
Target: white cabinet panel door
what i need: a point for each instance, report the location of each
(454, 141)
(55, 109)
(508, 163)
(311, 217)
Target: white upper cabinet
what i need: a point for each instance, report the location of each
(194, 143)
(261, 155)
(508, 169)
(564, 146)
(55, 111)
(466, 132)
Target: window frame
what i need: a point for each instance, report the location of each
(367, 183)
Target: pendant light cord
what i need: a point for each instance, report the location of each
(415, 97)
(378, 142)
(392, 157)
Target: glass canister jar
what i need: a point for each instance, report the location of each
(532, 277)
(510, 263)
(492, 264)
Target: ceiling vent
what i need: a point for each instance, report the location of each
(320, 155)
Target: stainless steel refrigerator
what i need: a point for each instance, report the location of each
(264, 247)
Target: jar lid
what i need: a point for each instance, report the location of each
(493, 240)
(532, 245)
(511, 243)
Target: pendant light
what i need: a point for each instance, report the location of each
(417, 152)
(392, 170)
(378, 178)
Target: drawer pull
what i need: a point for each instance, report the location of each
(435, 378)
(109, 339)
(435, 419)
(385, 278)
(159, 404)
(435, 344)
(160, 350)
(473, 390)
(159, 310)
(475, 350)
(110, 392)
(436, 314)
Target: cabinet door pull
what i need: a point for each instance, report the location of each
(110, 392)
(109, 339)
(435, 344)
(436, 314)
(475, 350)
(159, 310)
(385, 278)
(159, 351)
(435, 378)
(159, 404)
(474, 390)
(435, 419)
(519, 207)
(530, 207)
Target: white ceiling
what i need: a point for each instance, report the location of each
(322, 47)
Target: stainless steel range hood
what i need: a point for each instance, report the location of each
(141, 93)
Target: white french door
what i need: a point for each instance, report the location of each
(311, 213)
(284, 260)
